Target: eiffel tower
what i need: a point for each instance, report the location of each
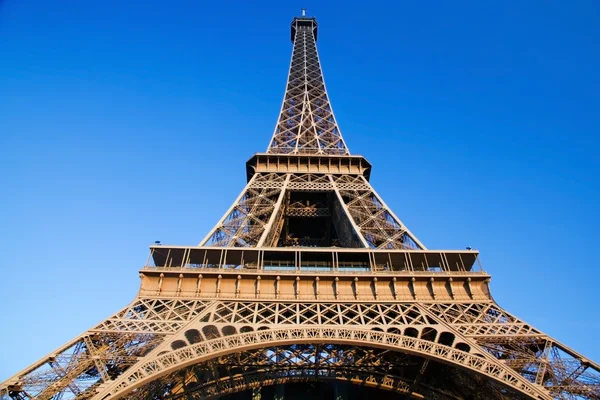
(310, 285)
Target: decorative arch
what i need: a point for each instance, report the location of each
(259, 379)
(161, 365)
(349, 365)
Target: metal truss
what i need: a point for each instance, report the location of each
(359, 214)
(245, 223)
(358, 217)
(257, 305)
(376, 222)
(154, 340)
(369, 367)
(306, 123)
(77, 369)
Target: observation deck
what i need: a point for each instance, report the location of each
(335, 164)
(303, 21)
(314, 273)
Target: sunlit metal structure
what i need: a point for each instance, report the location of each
(309, 280)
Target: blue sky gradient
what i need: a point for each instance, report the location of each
(122, 123)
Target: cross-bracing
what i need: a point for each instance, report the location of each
(309, 277)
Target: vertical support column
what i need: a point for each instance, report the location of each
(198, 284)
(469, 288)
(413, 287)
(375, 288)
(450, 287)
(160, 282)
(179, 281)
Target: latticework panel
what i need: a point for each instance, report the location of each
(103, 353)
(77, 371)
(153, 315)
(525, 349)
(231, 341)
(376, 223)
(168, 346)
(310, 182)
(244, 223)
(376, 368)
(306, 123)
(363, 221)
(297, 313)
(166, 336)
(481, 319)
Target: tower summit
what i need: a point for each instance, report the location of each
(304, 21)
(309, 285)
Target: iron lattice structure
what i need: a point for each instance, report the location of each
(309, 278)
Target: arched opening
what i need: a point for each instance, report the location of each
(429, 334)
(228, 330)
(394, 330)
(411, 332)
(463, 346)
(178, 344)
(210, 332)
(245, 329)
(446, 338)
(193, 336)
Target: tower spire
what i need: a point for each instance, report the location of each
(306, 123)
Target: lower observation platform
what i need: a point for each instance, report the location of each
(313, 163)
(314, 273)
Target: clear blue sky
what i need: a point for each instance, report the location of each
(122, 123)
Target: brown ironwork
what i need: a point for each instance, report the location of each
(310, 277)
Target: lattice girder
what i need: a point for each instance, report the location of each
(217, 346)
(306, 122)
(79, 367)
(245, 222)
(257, 211)
(371, 367)
(254, 306)
(453, 333)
